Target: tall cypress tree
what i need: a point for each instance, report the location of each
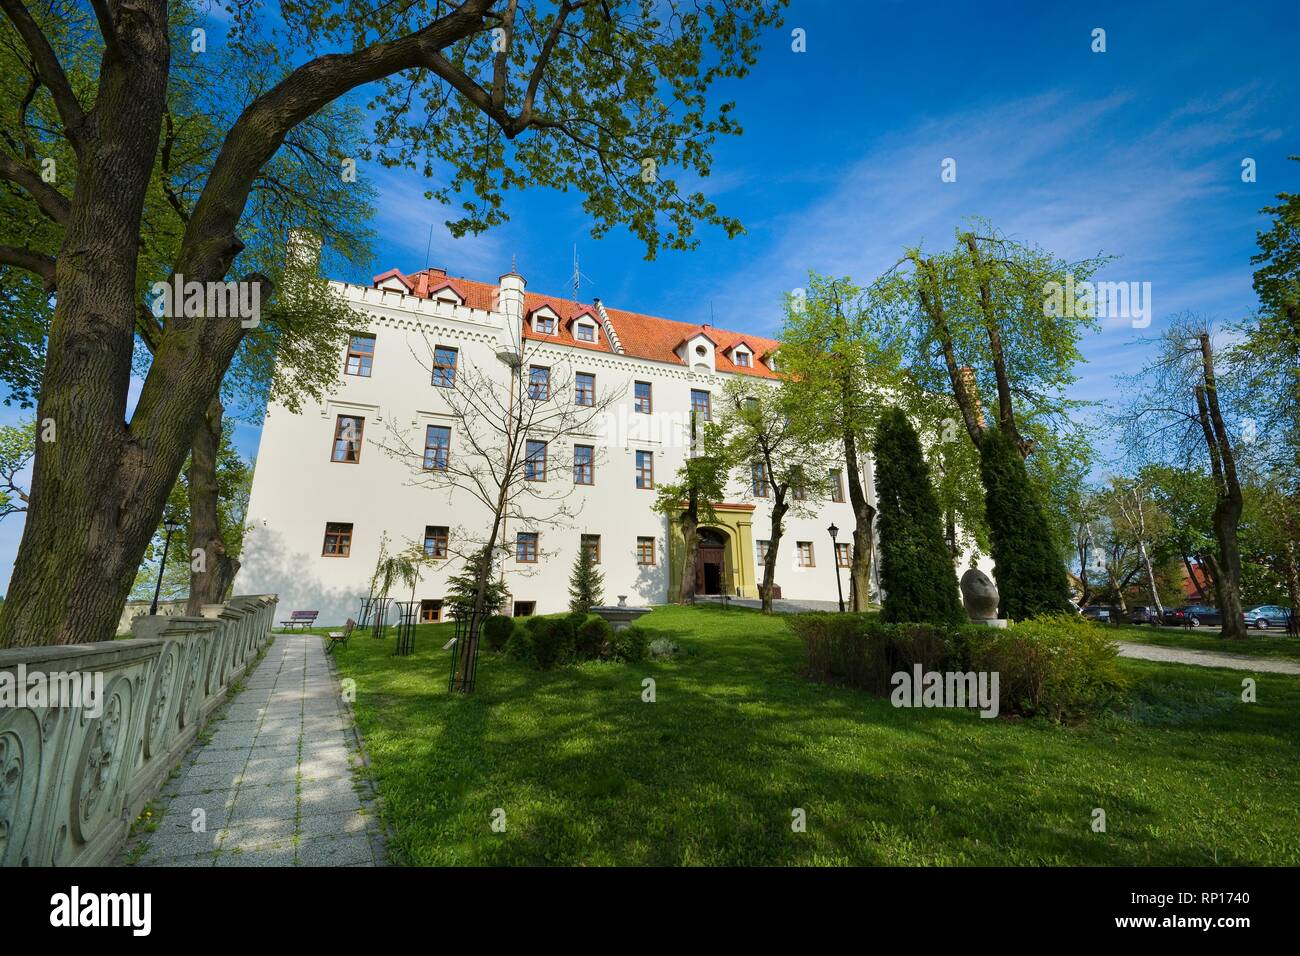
(1030, 574)
(916, 569)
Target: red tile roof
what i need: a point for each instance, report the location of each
(641, 336)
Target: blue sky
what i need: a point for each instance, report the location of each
(1135, 152)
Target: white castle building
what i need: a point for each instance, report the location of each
(328, 489)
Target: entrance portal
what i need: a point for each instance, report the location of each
(710, 562)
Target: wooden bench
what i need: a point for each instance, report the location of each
(340, 637)
(300, 619)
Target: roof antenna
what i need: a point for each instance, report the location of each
(577, 275)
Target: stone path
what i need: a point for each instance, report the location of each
(274, 783)
(1183, 655)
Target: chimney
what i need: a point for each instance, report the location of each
(435, 272)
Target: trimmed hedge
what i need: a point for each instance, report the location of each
(555, 640)
(1056, 666)
(497, 630)
(592, 637)
(631, 645)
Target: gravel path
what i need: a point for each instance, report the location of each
(1183, 655)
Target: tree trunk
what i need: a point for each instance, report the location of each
(1151, 579)
(864, 516)
(1226, 565)
(779, 508)
(98, 489)
(1292, 575)
(211, 584)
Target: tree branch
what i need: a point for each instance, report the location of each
(36, 262)
(51, 202)
(49, 70)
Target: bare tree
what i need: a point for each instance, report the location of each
(510, 448)
(1179, 412)
(1136, 511)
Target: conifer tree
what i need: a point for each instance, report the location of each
(916, 571)
(587, 583)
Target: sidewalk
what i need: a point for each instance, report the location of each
(274, 784)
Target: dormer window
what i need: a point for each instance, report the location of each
(545, 320)
(584, 332)
(742, 358)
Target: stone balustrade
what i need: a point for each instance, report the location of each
(73, 778)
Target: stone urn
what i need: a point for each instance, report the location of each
(980, 596)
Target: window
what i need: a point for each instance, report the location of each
(645, 550)
(837, 485)
(758, 478)
(435, 540)
(544, 324)
(437, 446)
(524, 608)
(361, 355)
(700, 405)
(645, 469)
(526, 547)
(584, 464)
(742, 359)
(539, 383)
(591, 542)
(430, 611)
(806, 554)
(444, 366)
(584, 388)
(535, 461)
(763, 548)
(843, 555)
(347, 438)
(338, 540)
(586, 332)
(641, 398)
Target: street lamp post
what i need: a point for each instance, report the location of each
(835, 559)
(171, 525)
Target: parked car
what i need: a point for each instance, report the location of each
(1193, 615)
(1098, 612)
(1144, 615)
(1266, 615)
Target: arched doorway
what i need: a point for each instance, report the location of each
(710, 562)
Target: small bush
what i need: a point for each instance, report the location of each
(552, 641)
(629, 645)
(519, 645)
(1055, 666)
(662, 647)
(497, 630)
(591, 638)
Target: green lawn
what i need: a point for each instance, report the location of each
(1270, 643)
(710, 773)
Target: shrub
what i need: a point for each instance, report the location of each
(631, 644)
(519, 645)
(662, 647)
(916, 569)
(591, 638)
(551, 639)
(1030, 574)
(497, 630)
(1055, 666)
